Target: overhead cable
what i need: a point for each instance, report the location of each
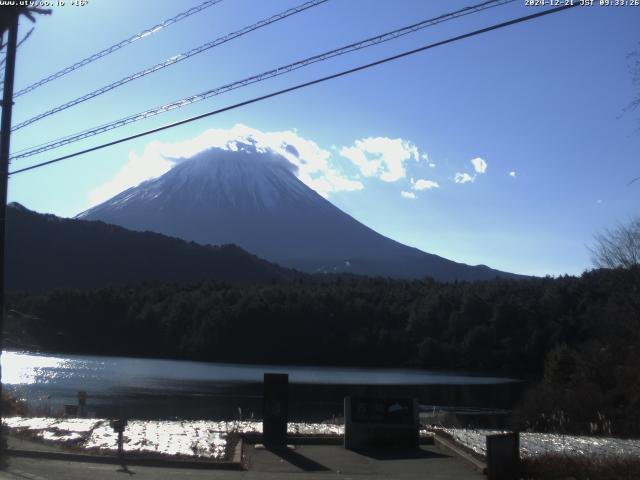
(118, 46)
(171, 61)
(385, 37)
(301, 85)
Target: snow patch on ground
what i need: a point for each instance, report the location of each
(188, 438)
(176, 438)
(68, 431)
(184, 438)
(208, 439)
(534, 444)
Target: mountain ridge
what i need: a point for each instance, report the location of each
(45, 251)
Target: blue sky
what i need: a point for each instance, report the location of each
(543, 100)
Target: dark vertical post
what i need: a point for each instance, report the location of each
(348, 437)
(118, 425)
(275, 409)
(120, 444)
(82, 403)
(5, 137)
(503, 456)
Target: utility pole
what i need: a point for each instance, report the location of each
(5, 140)
(8, 22)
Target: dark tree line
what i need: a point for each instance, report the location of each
(580, 335)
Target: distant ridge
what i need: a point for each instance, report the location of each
(45, 251)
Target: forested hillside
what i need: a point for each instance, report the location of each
(579, 334)
(45, 251)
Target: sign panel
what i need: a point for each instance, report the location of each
(387, 423)
(397, 411)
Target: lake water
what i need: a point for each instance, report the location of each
(152, 388)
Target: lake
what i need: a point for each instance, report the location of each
(154, 388)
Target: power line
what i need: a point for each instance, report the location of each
(303, 85)
(119, 45)
(173, 60)
(24, 39)
(27, 35)
(258, 78)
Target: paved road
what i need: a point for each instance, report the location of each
(305, 462)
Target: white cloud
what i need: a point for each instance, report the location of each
(423, 184)
(512, 174)
(313, 164)
(464, 178)
(425, 157)
(381, 157)
(479, 165)
(409, 195)
(151, 164)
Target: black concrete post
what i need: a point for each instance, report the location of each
(503, 456)
(275, 409)
(82, 403)
(120, 444)
(118, 426)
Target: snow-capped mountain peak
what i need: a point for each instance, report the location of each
(248, 195)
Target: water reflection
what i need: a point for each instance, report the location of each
(21, 369)
(152, 388)
(27, 368)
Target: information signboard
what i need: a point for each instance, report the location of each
(380, 423)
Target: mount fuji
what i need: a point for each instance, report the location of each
(252, 197)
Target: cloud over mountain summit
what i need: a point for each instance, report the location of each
(312, 164)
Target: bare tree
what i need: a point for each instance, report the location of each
(619, 247)
(634, 69)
